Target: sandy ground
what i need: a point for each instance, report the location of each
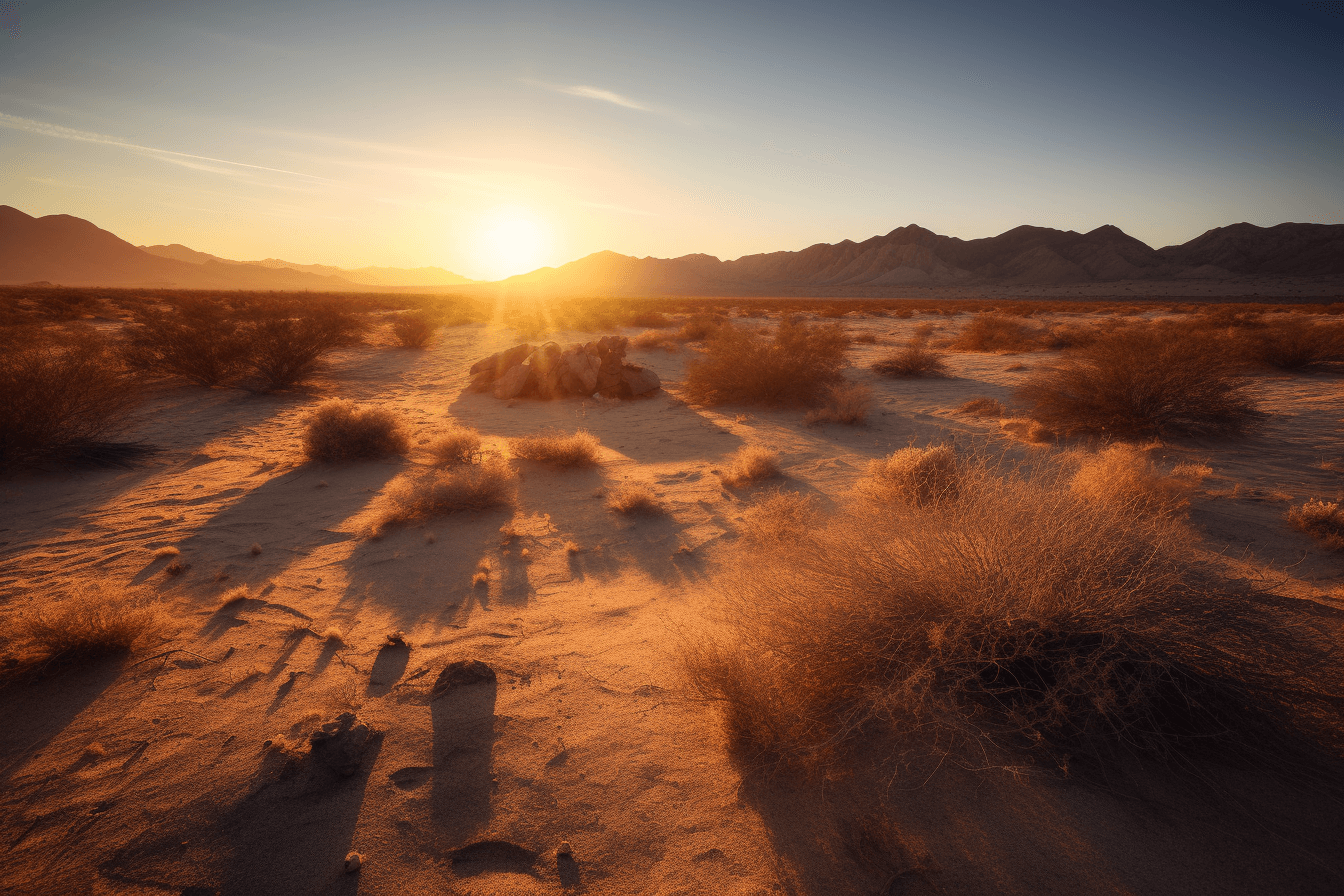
(169, 775)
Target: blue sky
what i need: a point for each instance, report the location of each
(492, 138)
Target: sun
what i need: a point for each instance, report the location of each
(511, 241)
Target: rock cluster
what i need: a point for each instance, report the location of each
(548, 371)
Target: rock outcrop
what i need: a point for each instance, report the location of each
(548, 371)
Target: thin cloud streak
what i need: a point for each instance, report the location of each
(185, 159)
(591, 93)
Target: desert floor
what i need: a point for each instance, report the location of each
(164, 774)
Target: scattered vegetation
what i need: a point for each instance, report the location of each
(339, 430)
(1322, 520)
(983, 407)
(915, 476)
(634, 499)
(1296, 343)
(846, 403)
(89, 624)
(414, 329)
(796, 365)
(1125, 476)
(916, 359)
(995, 333)
(63, 396)
(472, 487)
(1143, 381)
(456, 445)
(196, 339)
(701, 326)
(1019, 616)
(779, 517)
(749, 465)
(651, 339)
(287, 345)
(559, 449)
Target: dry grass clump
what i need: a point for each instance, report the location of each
(90, 624)
(1296, 343)
(651, 339)
(749, 465)
(846, 403)
(983, 407)
(989, 332)
(779, 517)
(916, 476)
(414, 329)
(1021, 617)
(795, 365)
(559, 449)
(634, 499)
(455, 445)
(701, 326)
(1124, 475)
(434, 493)
(340, 430)
(916, 359)
(1142, 381)
(63, 397)
(1323, 520)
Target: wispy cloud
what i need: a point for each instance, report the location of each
(591, 93)
(185, 159)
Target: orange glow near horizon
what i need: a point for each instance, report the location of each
(511, 240)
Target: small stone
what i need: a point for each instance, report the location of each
(565, 849)
(461, 673)
(353, 862)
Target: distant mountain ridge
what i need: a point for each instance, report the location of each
(73, 252)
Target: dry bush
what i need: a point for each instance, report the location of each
(1033, 432)
(1296, 343)
(916, 359)
(634, 499)
(455, 445)
(1126, 477)
(89, 624)
(701, 326)
(559, 449)
(435, 493)
(414, 329)
(1142, 381)
(63, 398)
(917, 476)
(779, 517)
(1019, 616)
(285, 346)
(1323, 520)
(197, 339)
(996, 333)
(651, 339)
(794, 366)
(846, 403)
(749, 465)
(983, 407)
(339, 430)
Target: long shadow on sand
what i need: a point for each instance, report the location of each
(464, 736)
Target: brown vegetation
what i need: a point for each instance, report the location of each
(89, 624)
(470, 487)
(983, 407)
(1125, 476)
(794, 366)
(749, 465)
(779, 516)
(339, 430)
(634, 499)
(1142, 381)
(916, 476)
(1296, 343)
(916, 359)
(456, 445)
(558, 449)
(1322, 520)
(846, 403)
(414, 329)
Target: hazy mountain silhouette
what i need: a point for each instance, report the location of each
(73, 252)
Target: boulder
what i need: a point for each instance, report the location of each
(498, 363)
(461, 673)
(482, 381)
(514, 382)
(639, 380)
(579, 376)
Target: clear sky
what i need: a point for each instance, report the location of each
(492, 138)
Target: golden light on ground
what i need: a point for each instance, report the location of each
(511, 240)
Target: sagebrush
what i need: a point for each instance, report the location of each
(339, 430)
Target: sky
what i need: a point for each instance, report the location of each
(494, 138)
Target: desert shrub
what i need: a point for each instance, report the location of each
(470, 487)
(1294, 343)
(1124, 475)
(414, 329)
(285, 346)
(916, 359)
(989, 332)
(749, 465)
(339, 430)
(983, 407)
(1323, 520)
(1017, 617)
(794, 366)
(455, 445)
(846, 403)
(63, 397)
(1062, 336)
(916, 476)
(634, 499)
(1142, 381)
(779, 517)
(199, 340)
(559, 449)
(651, 339)
(700, 326)
(90, 623)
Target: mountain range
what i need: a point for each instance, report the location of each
(70, 251)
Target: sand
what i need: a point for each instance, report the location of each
(168, 773)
